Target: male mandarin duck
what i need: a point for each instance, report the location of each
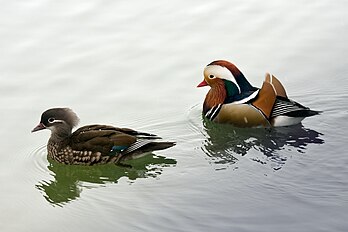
(93, 144)
(233, 100)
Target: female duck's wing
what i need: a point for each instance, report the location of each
(109, 140)
(101, 138)
(128, 131)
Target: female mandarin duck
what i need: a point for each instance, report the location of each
(232, 99)
(93, 144)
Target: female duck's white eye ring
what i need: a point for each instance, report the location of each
(51, 120)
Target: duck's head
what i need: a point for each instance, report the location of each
(58, 120)
(221, 71)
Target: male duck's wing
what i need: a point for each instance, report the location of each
(276, 84)
(270, 90)
(286, 107)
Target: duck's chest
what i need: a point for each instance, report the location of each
(240, 115)
(52, 150)
(59, 152)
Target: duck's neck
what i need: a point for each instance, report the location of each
(216, 95)
(243, 83)
(60, 134)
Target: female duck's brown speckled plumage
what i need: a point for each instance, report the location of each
(93, 144)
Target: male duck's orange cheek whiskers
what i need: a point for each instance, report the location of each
(203, 83)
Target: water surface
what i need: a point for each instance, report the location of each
(136, 64)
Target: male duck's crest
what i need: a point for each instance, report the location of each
(93, 144)
(232, 99)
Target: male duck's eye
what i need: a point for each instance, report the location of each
(51, 120)
(211, 76)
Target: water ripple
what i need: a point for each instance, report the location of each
(38, 159)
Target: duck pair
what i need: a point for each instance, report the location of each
(231, 100)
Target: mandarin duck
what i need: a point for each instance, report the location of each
(93, 144)
(233, 100)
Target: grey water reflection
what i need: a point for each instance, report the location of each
(224, 143)
(70, 180)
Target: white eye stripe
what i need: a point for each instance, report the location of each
(52, 120)
(221, 72)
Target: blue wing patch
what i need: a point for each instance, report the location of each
(117, 149)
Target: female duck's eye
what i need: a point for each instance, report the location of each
(51, 120)
(211, 76)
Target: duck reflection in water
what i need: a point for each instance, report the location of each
(70, 180)
(225, 144)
